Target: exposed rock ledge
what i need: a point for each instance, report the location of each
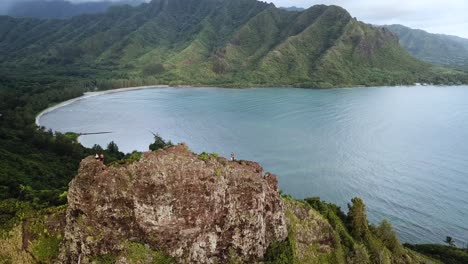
(198, 211)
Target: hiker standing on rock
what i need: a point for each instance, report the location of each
(233, 158)
(101, 158)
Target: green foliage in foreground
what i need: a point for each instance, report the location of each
(159, 143)
(279, 252)
(36, 165)
(320, 232)
(207, 156)
(37, 239)
(46, 249)
(139, 253)
(446, 254)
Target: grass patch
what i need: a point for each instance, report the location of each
(279, 252)
(207, 156)
(139, 253)
(46, 248)
(218, 172)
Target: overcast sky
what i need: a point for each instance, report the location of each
(436, 16)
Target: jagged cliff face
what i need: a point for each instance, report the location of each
(196, 209)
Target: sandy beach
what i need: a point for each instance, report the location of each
(91, 94)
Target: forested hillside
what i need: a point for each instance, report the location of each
(433, 48)
(216, 42)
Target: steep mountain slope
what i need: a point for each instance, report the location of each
(217, 42)
(434, 48)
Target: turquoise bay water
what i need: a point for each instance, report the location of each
(403, 150)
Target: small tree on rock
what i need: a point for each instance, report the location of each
(388, 237)
(159, 143)
(359, 256)
(357, 219)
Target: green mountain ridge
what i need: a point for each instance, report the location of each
(59, 8)
(217, 42)
(434, 48)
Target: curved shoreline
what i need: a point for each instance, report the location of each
(118, 90)
(92, 94)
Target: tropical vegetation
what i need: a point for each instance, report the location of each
(184, 42)
(208, 42)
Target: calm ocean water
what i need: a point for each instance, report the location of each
(404, 150)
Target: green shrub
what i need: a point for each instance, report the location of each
(204, 156)
(159, 143)
(446, 254)
(359, 255)
(139, 253)
(128, 159)
(46, 248)
(279, 252)
(161, 258)
(388, 237)
(12, 211)
(335, 217)
(105, 259)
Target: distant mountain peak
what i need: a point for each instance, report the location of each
(293, 8)
(434, 48)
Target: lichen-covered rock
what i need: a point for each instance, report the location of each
(195, 209)
(312, 238)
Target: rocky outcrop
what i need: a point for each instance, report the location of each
(314, 239)
(197, 209)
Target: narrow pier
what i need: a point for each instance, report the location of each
(95, 133)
